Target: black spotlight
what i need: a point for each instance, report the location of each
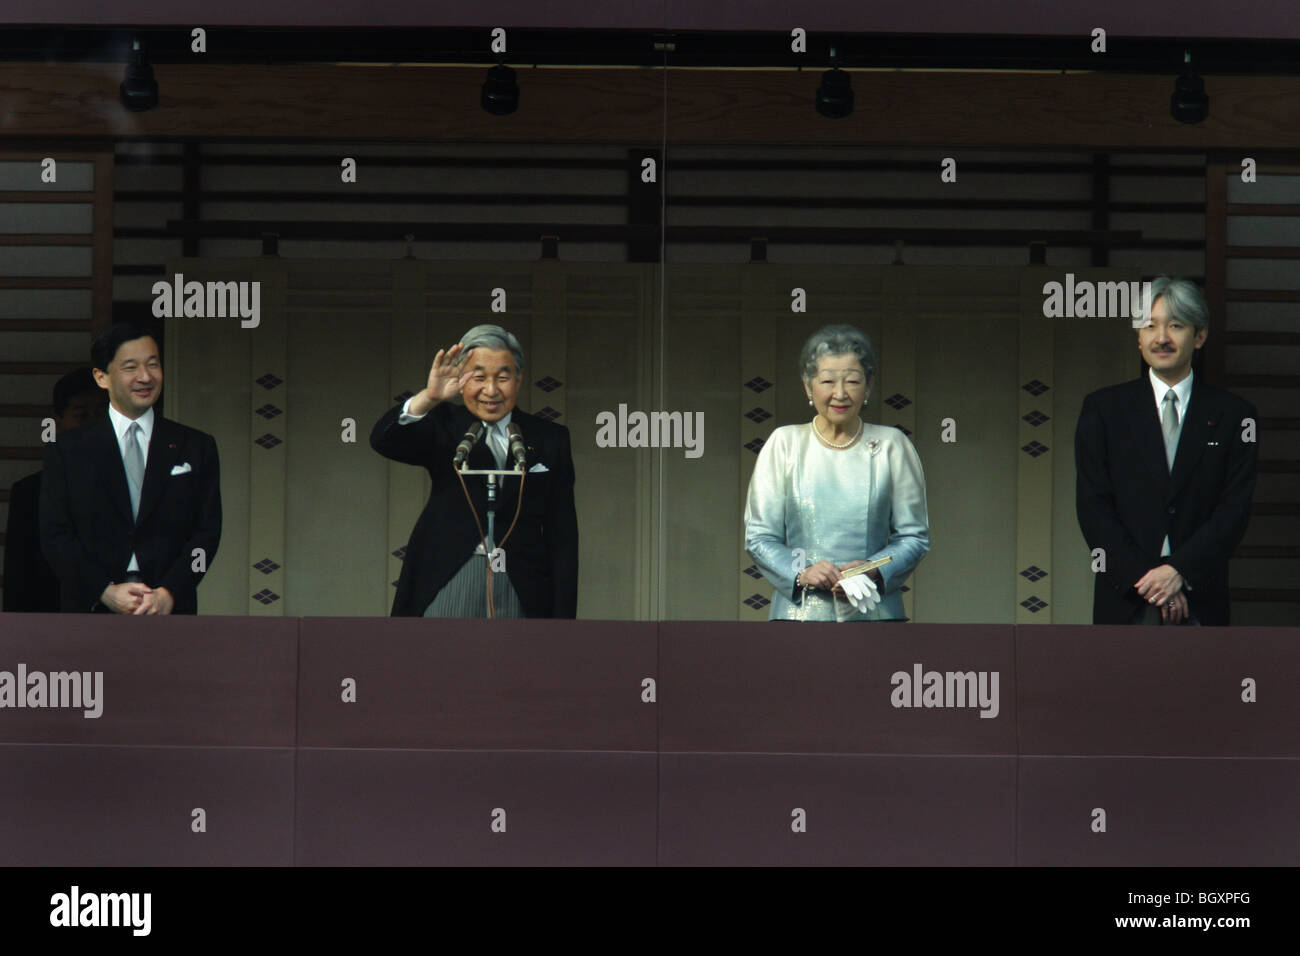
(500, 91)
(139, 90)
(834, 94)
(1188, 103)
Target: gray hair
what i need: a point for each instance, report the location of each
(494, 337)
(1184, 301)
(837, 340)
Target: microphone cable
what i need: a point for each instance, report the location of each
(487, 557)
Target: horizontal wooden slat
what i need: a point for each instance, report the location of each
(1264, 252)
(24, 411)
(46, 239)
(38, 368)
(772, 164)
(46, 282)
(1264, 594)
(1265, 169)
(1279, 424)
(1277, 467)
(1262, 295)
(352, 231)
(508, 199)
(45, 325)
(145, 232)
(13, 195)
(1263, 209)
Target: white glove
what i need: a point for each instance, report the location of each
(861, 592)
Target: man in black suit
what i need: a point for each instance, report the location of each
(131, 504)
(30, 583)
(1165, 471)
(445, 570)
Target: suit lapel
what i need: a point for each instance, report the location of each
(107, 459)
(1149, 437)
(163, 452)
(1198, 425)
(509, 494)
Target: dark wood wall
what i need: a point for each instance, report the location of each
(422, 104)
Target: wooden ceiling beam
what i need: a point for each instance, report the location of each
(79, 101)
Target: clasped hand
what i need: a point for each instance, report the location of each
(134, 597)
(861, 590)
(1164, 586)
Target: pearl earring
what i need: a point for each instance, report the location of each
(810, 401)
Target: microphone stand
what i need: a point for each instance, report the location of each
(490, 545)
(491, 474)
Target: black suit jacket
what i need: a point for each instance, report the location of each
(1128, 499)
(87, 531)
(30, 582)
(542, 553)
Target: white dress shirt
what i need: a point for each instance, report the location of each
(1183, 392)
(120, 426)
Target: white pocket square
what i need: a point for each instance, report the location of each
(182, 469)
(537, 468)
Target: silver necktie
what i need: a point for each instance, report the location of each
(134, 466)
(498, 444)
(1169, 424)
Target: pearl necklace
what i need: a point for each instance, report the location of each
(830, 444)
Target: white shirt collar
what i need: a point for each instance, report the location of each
(121, 423)
(1183, 391)
(502, 423)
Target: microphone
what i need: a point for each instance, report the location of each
(467, 443)
(517, 445)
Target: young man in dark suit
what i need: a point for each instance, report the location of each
(1165, 470)
(444, 573)
(30, 583)
(131, 504)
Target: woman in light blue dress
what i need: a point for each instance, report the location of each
(836, 492)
